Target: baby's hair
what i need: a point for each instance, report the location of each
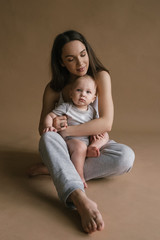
(85, 76)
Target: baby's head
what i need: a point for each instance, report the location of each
(83, 91)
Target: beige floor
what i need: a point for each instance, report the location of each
(30, 209)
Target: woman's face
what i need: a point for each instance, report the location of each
(75, 58)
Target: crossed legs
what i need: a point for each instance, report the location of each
(115, 159)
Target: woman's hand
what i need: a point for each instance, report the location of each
(60, 123)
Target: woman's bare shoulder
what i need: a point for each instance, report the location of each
(103, 79)
(103, 75)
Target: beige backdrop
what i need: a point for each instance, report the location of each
(125, 35)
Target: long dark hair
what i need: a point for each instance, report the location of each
(60, 75)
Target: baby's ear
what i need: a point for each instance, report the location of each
(94, 98)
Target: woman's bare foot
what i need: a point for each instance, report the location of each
(37, 169)
(93, 152)
(90, 216)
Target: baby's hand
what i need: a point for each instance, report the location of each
(101, 136)
(49, 129)
(96, 137)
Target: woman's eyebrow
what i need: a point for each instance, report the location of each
(73, 55)
(69, 56)
(83, 50)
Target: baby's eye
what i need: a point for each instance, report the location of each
(88, 91)
(78, 90)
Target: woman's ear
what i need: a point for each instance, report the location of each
(61, 62)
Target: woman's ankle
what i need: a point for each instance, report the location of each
(77, 197)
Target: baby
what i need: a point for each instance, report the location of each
(78, 111)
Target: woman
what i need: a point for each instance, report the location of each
(72, 56)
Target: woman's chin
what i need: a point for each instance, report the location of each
(81, 74)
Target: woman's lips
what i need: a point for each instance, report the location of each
(81, 69)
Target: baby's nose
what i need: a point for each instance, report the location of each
(83, 93)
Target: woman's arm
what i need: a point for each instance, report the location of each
(50, 98)
(105, 101)
(105, 107)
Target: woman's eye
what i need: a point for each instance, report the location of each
(83, 55)
(70, 59)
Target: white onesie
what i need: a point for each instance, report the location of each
(75, 116)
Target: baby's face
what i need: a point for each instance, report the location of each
(83, 92)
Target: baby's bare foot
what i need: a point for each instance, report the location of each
(37, 169)
(90, 216)
(84, 181)
(93, 152)
(85, 184)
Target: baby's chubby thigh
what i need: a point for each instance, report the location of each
(76, 146)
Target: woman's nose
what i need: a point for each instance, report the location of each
(79, 62)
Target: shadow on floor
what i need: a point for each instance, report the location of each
(14, 180)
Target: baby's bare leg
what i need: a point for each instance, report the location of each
(77, 150)
(93, 148)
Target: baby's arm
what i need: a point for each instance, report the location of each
(48, 123)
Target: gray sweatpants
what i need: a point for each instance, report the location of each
(115, 159)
